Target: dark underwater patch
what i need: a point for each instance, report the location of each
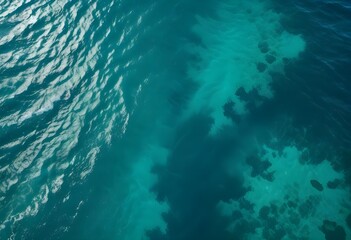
(317, 185)
(333, 231)
(194, 180)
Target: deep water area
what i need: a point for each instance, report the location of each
(175, 119)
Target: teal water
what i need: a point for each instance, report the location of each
(171, 120)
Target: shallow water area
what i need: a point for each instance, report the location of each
(175, 120)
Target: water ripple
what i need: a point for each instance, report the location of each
(56, 87)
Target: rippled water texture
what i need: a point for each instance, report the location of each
(62, 98)
(175, 120)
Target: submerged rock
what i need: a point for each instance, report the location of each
(269, 176)
(229, 112)
(270, 58)
(317, 185)
(261, 67)
(334, 184)
(259, 166)
(332, 231)
(264, 47)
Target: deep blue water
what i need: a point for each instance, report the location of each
(175, 120)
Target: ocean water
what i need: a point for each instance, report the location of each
(175, 120)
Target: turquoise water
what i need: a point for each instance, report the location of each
(175, 120)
